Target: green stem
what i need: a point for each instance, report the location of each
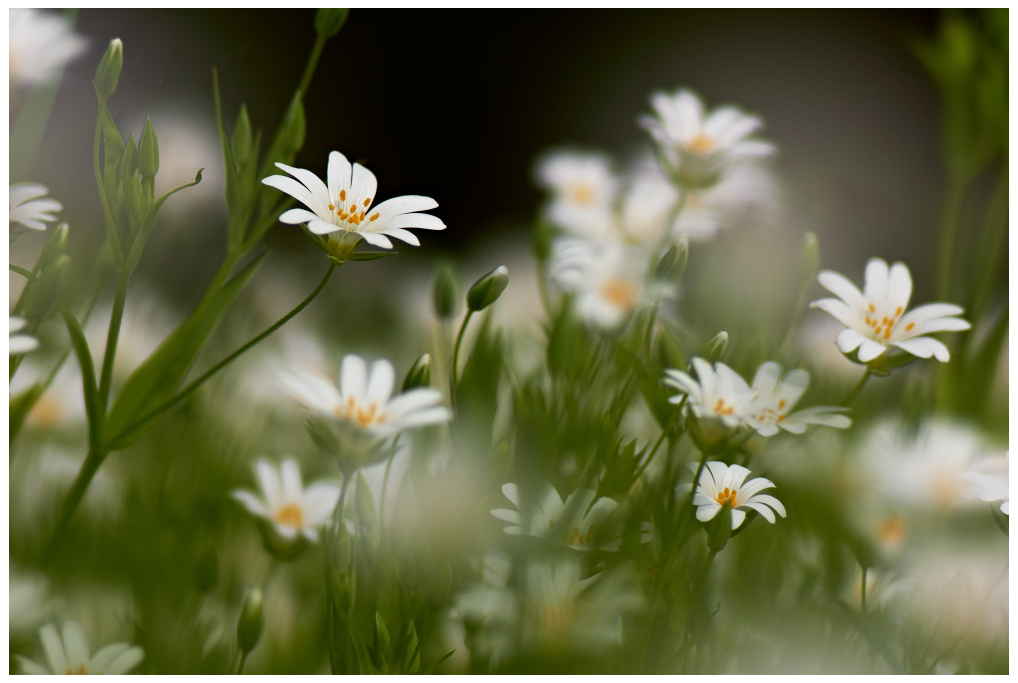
(456, 357)
(233, 356)
(858, 387)
(653, 452)
(91, 465)
(111, 339)
(27, 274)
(309, 69)
(241, 663)
(952, 212)
(862, 596)
(385, 483)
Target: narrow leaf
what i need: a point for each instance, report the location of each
(92, 407)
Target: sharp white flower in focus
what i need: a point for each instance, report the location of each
(696, 146)
(583, 191)
(573, 522)
(365, 400)
(41, 44)
(20, 343)
(719, 393)
(775, 397)
(342, 209)
(292, 509)
(70, 654)
(721, 484)
(26, 207)
(875, 319)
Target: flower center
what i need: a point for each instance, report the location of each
(619, 294)
(80, 672)
(723, 408)
(351, 215)
(290, 515)
(726, 496)
(891, 530)
(701, 144)
(582, 193)
(882, 326)
(770, 415)
(365, 416)
(577, 537)
(45, 413)
(554, 618)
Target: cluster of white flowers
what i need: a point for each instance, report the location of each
(70, 654)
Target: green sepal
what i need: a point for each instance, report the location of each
(243, 137)
(156, 380)
(368, 255)
(146, 225)
(419, 375)
(94, 411)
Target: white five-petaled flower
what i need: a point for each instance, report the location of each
(721, 484)
(343, 208)
(698, 147)
(573, 521)
(875, 318)
(26, 207)
(718, 393)
(583, 192)
(292, 509)
(365, 400)
(775, 397)
(20, 343)
(70, 655)
(41, 44)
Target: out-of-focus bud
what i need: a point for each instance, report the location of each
(810, 258)
(134, 201)
(206, 572)
(444, 292)
(366, 513)
(108, 74)
(243, 137)
(714, 350)
(293, 127)
(329, 20)
(149, 151)
(41, 292)
(249, 625)
(673, 264)
(667, 352)
(419, 375)
(720, 528)
(486, 290)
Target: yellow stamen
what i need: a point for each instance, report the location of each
(619, 294)
(367, 202)
(873, 309)
(701, 144)
(373, 217)
(290, 515)
(342, 195)
(909, 326)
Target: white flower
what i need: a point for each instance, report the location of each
(26, 207)
(572, 522)
(744, 191)
(365, 400)
(291, 508)
(696, 146)
(720, 392)
(608, 279)
(342, 209)
(993, 487)
(721, 484)
(20, 343)
(41, 43)
(875, 319)
(583, 191)
(71, 654)
(775, 397)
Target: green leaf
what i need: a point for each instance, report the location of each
(92, 407)
(383, 644)
(369, 255)
(434, 665)
(150, 217)
(158, 378)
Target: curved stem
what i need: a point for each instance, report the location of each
(241, 663)
(456, 357)
(309, 69)
(653, 452)
(91, 465)
(858, 387)
(862, 594)
(112, 338)
(233, 356)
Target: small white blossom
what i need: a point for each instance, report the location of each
(26, 207)
(775, 397)
(718, 393)
(41, 44)
(292, 509)
(70, 655)
(20, 343)
(342, 209)
(697, 147)
(573, 522)
(992, 487)
(583, 191)
(875, 318)
(365, 400)
(721, 484)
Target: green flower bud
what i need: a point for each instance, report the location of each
(667, 352)
(444, 293)
(249, 625)
(419, 375)
(714, 350)
(486, 290)
(206, 572)
(673, 264)
(243, 138)
(293, 127)
(108, 74)
(132, 161)
(329, 20)
(149, 151)
(810, 258)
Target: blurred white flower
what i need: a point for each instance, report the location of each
(41, 44)
(718, 393)
(29, 599)
(993, 486)
(583, 191)
(875, 318)
(365, 400)
(572, 522)
(746, 191)
(697, 147)
(721, 484)
(607, 278)
(343, 210)
(291, 508)
(70, 655)
(62, 404)
(647, 206)
(27, 209)
(20, 343)
(775, 397)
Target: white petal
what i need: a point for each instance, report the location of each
(849, 340)
(291, 484)
(924, 347)
(406, 204)
(401, 234)
(353, 377)
(126, 661)
(32, 668)
(876, 281)
(21, 192)
(512, 492)
(738, 516)
(870, 349)
(769, 500)
(363, 187)
(21, 343)
(507, 515)
(421, 221)
(53, 648)
(839, 309)
(75, 645)
(427, 417)
(251, 503)
(764, 511)
(377, 240)
(414, 400)
(705, 513)
(380, 383)
(313, 391)
(767, 376)
(318, 502)
(294, 189)
(842, 287)
(899, 287)
(269, 481)
(101, 660)
(339, 175)
(313, 183)
(296, 216)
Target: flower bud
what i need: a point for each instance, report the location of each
(293, 127)
(249, 625)
(419, 375)
(108, 74)
(149, 151)
(714, 350)
(329, 20)
(810, 258)
(673, 264)
(667, 352)
(486, 290)
(131, 161)
(243, 139)
(444, 292)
